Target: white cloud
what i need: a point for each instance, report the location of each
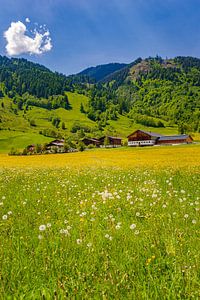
(27, 20)
(18, 42)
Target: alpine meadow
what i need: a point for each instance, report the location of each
(100, 169)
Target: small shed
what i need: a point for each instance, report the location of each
(91, 141)
(30, 148)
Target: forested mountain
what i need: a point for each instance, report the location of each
(149, 91)
(168, 89)
(19, 76)
(100, 72)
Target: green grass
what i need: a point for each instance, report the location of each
(107, 234)
(19, 140)
(27, 134)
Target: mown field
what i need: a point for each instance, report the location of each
(102, 224)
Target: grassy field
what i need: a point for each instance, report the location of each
(102, 224)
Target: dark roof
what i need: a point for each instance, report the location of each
(154, 134)
(56, 143)
(111, 137)
(91, 139)
(174, 137)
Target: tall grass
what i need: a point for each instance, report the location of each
(99, 233)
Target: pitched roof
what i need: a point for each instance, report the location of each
(111, 137)
(174, 137)
(154, 134)
(91, 139)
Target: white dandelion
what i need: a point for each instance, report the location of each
(132, 226)
(42, 227)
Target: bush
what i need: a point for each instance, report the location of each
(91, 146)
(81, 146)
(14, 151)
(32, 123)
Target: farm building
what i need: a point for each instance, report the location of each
(91, 141)
(112, 141)
(56, 145)
(175, 139)
(145, 138)
(30, 148)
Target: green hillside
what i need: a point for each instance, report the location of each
(151, 88)
(17, 132)
(38, 105)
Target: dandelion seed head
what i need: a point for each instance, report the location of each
(5, 217)
(42, 227)
(132, 226)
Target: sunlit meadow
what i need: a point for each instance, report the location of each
(92, 228)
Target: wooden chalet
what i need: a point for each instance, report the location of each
(175, 139)
(143, 138)
(146, 138)
(113, 141)
(91, 141)
(57, 145)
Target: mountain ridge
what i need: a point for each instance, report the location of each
(99, 72)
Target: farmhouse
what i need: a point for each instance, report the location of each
(112, 141)
(91, 141)
(56, 145)
(143, 138)
(146, 138)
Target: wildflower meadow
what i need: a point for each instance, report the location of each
(99, 232)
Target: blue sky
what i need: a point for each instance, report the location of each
(90, 32)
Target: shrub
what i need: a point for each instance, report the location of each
(81, 146)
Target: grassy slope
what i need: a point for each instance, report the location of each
(17, 132)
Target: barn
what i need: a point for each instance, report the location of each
(91, 141)
(175, 139)
(143, 138)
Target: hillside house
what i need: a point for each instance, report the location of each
(145, 138)
(113, 142)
